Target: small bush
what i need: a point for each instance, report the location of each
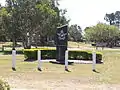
(45, 53)
(48, 54)
(4, 86)
(51, 54)
(78, 55)
(6, 52)
(31, 54)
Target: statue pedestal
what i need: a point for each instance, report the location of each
(60, 56)
(61, 43)
(62, 63)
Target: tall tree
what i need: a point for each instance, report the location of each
(110, 18)
(2, 30)
(36, 18)
(117, 18)
(75, 33)
(102, 33)
(113, 18)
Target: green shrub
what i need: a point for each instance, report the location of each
(48, 54)
(51, 54)
(84, 55)
(31, 54)
(6, 52)
(78, 55)
(45, 53)
(4, 86)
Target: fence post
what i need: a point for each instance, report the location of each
(66, 60)
(94, 60)
(13, 59)
(39, 60)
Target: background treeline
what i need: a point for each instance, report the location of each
(39, 19)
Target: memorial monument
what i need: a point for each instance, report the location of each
(61, 42)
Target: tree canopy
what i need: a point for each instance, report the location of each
(75, 33)
(39, 18)
(102, 33)
(113, 18)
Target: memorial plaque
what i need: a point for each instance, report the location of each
(61, 43)
(62, 36)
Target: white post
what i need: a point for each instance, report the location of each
(94, 60)
(28, 38)
(66, 60)
(13, 59)
(39, 60)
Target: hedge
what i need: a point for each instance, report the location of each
(6, 52)
(51, 54)
(47, 53)
(4, 86)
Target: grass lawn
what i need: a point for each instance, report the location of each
(78, 44)
(70, 44)
(53, 77)
(109, 72)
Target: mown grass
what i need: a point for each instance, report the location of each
(78, 44)
(70, 44)
(108, 72)
(110, 69)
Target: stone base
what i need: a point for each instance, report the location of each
(62, 63)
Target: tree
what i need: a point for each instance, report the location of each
(113, 18)
(75, 33)
(117, 18)
(3, 18)
(39, 18)
(102, 33)
(110, 18)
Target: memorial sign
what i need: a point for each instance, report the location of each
(61, 43)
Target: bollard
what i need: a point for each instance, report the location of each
(94, 61)
(13, 59)
(66, 60)
(39, 60)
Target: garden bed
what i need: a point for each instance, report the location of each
(47, 53)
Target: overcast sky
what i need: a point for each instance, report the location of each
(87, 12)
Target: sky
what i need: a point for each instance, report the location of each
(87, 12)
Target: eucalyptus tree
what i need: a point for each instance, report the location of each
(102, 33)
(75, 33)
(39, 18)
